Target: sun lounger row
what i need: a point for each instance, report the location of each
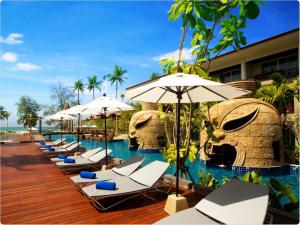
(52, 143)
(129, 182)
(235, 202)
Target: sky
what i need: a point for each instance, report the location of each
(43, 43)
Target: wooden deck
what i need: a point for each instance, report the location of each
(34, 191)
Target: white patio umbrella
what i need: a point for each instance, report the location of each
(61, 117)
(75, 110)
(103, 105)
(182, 88)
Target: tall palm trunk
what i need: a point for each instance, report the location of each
(116, 113)
(93, 94)
(78, 97)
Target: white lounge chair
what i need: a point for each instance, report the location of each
(92, 162)
(60, 146)
(235, 202)
(66, 151)
(65, 148)
(138, 183)
(85, 155)
(56, 142)
(124, 169)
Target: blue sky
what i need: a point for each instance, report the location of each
(43, 43)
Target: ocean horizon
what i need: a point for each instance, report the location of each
(18, 128)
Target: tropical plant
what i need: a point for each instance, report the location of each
(62, 94)
(153, 76)
(93, 84)
(204, 18)
(79, 87)
(27, 111)
(279, 93)
(207, 179)
(278, 191)
(6, 116)
(2, 112)
(117, 77)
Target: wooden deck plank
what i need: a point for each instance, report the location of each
(34, 191)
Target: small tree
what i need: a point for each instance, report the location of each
(27, 111)
(62, 94)
(50, 110)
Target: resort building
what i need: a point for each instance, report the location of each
(259, 60)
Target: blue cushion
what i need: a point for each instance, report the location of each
(69, 160)
(61, 156)
(42, 143)
(51, 149)
(87, 174)
(47, 146)
(106, 185)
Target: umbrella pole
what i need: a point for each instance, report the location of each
(179, 96)
(61, 119)
(78, 131)
(105, 136)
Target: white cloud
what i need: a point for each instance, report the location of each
(145, 65)
(9, 57)
(27, 67)
(12, 39)
(186, 55)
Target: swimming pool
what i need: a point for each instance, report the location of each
(120, 150)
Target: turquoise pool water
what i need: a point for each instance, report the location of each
(120, 150)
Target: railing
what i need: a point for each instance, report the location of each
(286, 73)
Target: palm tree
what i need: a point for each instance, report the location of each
(6, 115)
(117, 77)
(92, 84)
(2, 112)
(79, 87)
(153, 76)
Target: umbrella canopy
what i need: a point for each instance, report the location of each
(60, 116)
(103, 105)
(192, 88)
(110, 104)
(182, 88)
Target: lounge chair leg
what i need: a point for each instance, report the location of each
(99, 206)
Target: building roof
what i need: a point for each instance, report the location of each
(276, 44)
